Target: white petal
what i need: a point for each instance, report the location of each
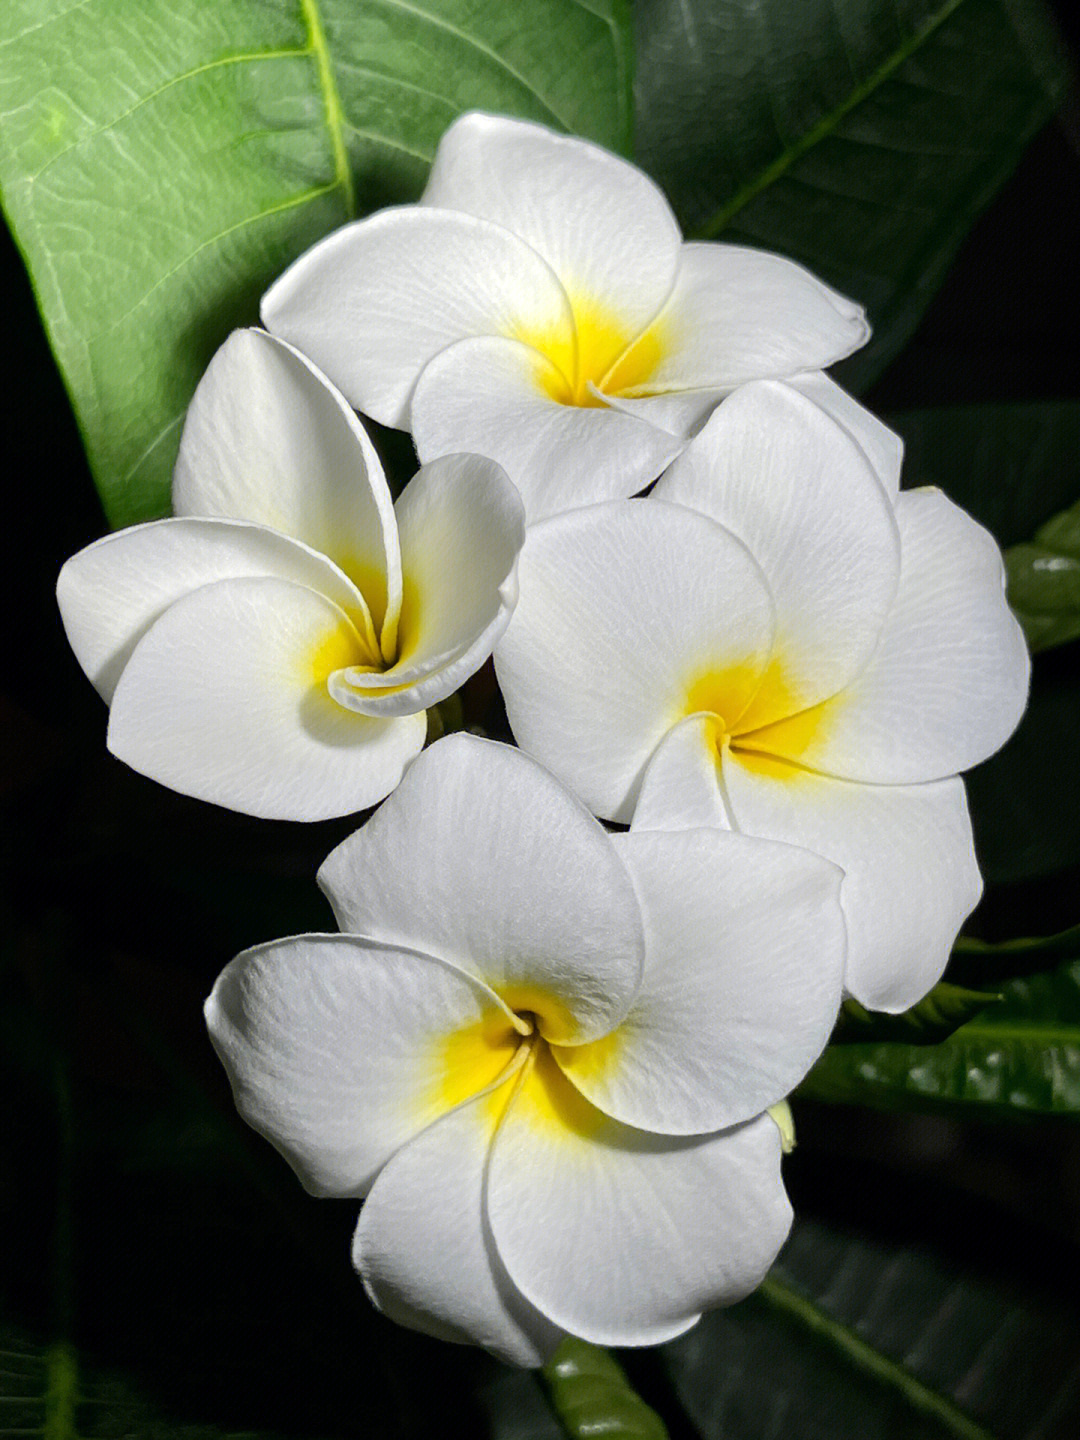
(778, 472)
(225, 698)
(737, 314)
(947, 684)
(623, 1237)
(431, 1264)
(373, 302)
(494, 396)
(744, 968)
(267, 438)
(462, 526)
(881, 446)
(110, 593)
(911, 875)
(681, 788)
(340, 1050)
(601, 224)
(680, 412)
(624, 609)
(482, 857)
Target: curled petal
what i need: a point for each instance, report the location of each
(340, 1050)
(112, 592)
(482, 857)
(376, 300)
(462, 527)
(269, 439)
(224, 698)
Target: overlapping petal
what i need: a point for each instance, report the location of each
(948, 681)
(111, 593)
(626, 610)
(461, 526)
(681, 788)
(910, 872)
(729, 1016)
(269, 439)
(339, 1050)
(224, 698)
(620, 1236)
(777, 471)
(530, 897)
(601, 224)
(376, 300)
(882, 447)
(494, 396)
(736, 315)
(430, 1263)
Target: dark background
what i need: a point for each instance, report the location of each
(119, 903)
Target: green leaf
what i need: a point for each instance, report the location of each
(160, 163)
(936, 1016)
(861, 137)
(592, 1396)
(984, 963)
(1044, 581)
(1011, 466)
(849, 1337)
(1020, 1056)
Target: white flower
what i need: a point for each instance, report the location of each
(539, 306)
(544, 1050)
(274, 648)
(779, 641)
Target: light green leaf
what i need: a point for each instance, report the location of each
(861, 137)
(936, 1016)
(853, 1338)
(592, 1396)
(1044, 581)
(161, 162)
(1020, 1056)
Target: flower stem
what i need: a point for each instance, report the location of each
(591, 1395)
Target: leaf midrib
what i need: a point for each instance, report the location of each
(871, 1361)
(333, 109)
(826, 125)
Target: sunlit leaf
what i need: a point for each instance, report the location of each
(161, 162)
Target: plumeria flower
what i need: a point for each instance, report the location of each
(274, 648)
(781, 642)
(542, 1052)
(539, 305)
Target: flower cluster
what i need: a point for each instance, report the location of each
(542, 1052)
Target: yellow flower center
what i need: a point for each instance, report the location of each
(600, 352)
(760, 720)
(519, 1048)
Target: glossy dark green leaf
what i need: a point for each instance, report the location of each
(592, 1396)
(161, 162)
(1024, 799)
(853, 1338)
(980, 962)
(1020, 1056)
(1011, 466)
(936, 1016)
(1044, 581)
(861, 137)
